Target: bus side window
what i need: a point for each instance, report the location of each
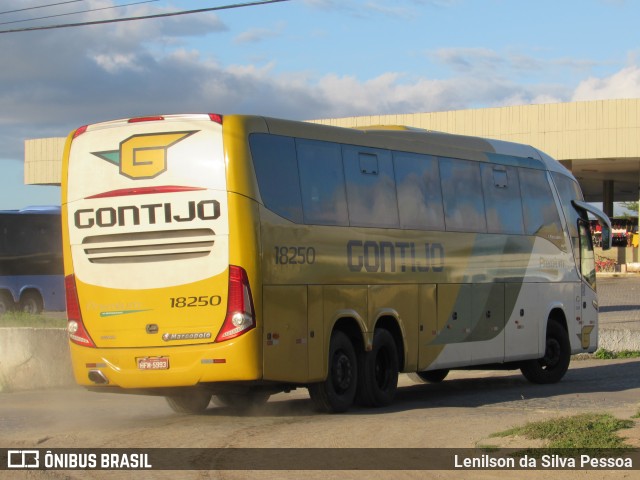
(502, 199)
(541, 216)
(274, 161)
(569, 190)
(419, 192)
(462, 192)
(322, 185)
(371, 189)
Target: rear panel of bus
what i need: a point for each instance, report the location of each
(150, 275)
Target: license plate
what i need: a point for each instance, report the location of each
(153, 363)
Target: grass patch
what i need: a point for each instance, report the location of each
(21, 319)
(603, 354)
(596, 431)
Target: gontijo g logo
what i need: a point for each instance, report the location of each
(143, 156)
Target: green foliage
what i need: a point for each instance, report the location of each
(585, 431)
(603, 354)
(632, 206)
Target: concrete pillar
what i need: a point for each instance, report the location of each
(607, 197)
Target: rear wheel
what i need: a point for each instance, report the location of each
(378, 371)
(6, 302)
(241, 401)
(31, 302)
(189, 402)
(337, 392)
(432, 376)
(557, 355)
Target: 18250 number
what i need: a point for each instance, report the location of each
(201, 301)
(295, 255)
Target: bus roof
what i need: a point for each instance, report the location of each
(41, 209)
(398, 137)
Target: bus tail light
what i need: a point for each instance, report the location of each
(240, 314)
(75, 327)
(215, 117)
(80, 131)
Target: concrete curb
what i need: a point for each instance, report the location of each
(36, 358)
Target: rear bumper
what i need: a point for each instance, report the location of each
(238, 360)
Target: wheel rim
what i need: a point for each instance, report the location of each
(341, 372)
(29, 306)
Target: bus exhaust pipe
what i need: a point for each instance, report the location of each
(97, 377)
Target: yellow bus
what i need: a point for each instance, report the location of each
(239, 256)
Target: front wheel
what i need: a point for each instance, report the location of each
(557, 355)
(337, 392)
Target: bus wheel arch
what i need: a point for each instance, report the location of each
(337, 392)
(31, 301)
(557, 355)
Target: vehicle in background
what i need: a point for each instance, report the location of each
(31, 267)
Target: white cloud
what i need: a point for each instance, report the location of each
(622, 84)
(117, 62)
(87, 84)
(52, 82)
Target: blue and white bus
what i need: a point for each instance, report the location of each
(31, 268)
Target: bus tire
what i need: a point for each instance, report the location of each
(378, 371)
(31, 302)
(431, 376)
(190, 402)
(555, 363)
(337, 393)
(241, 401)
(6, 302)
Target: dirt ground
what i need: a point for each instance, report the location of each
(461, 412)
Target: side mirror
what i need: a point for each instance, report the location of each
(606, 236)
(602, 218)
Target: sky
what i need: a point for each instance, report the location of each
(299, 59)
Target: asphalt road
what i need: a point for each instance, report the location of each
(619, 299)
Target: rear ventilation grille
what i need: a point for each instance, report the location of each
(145, 247)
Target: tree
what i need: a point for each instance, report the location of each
(632, 207)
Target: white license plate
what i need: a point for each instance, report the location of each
(153, 363)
